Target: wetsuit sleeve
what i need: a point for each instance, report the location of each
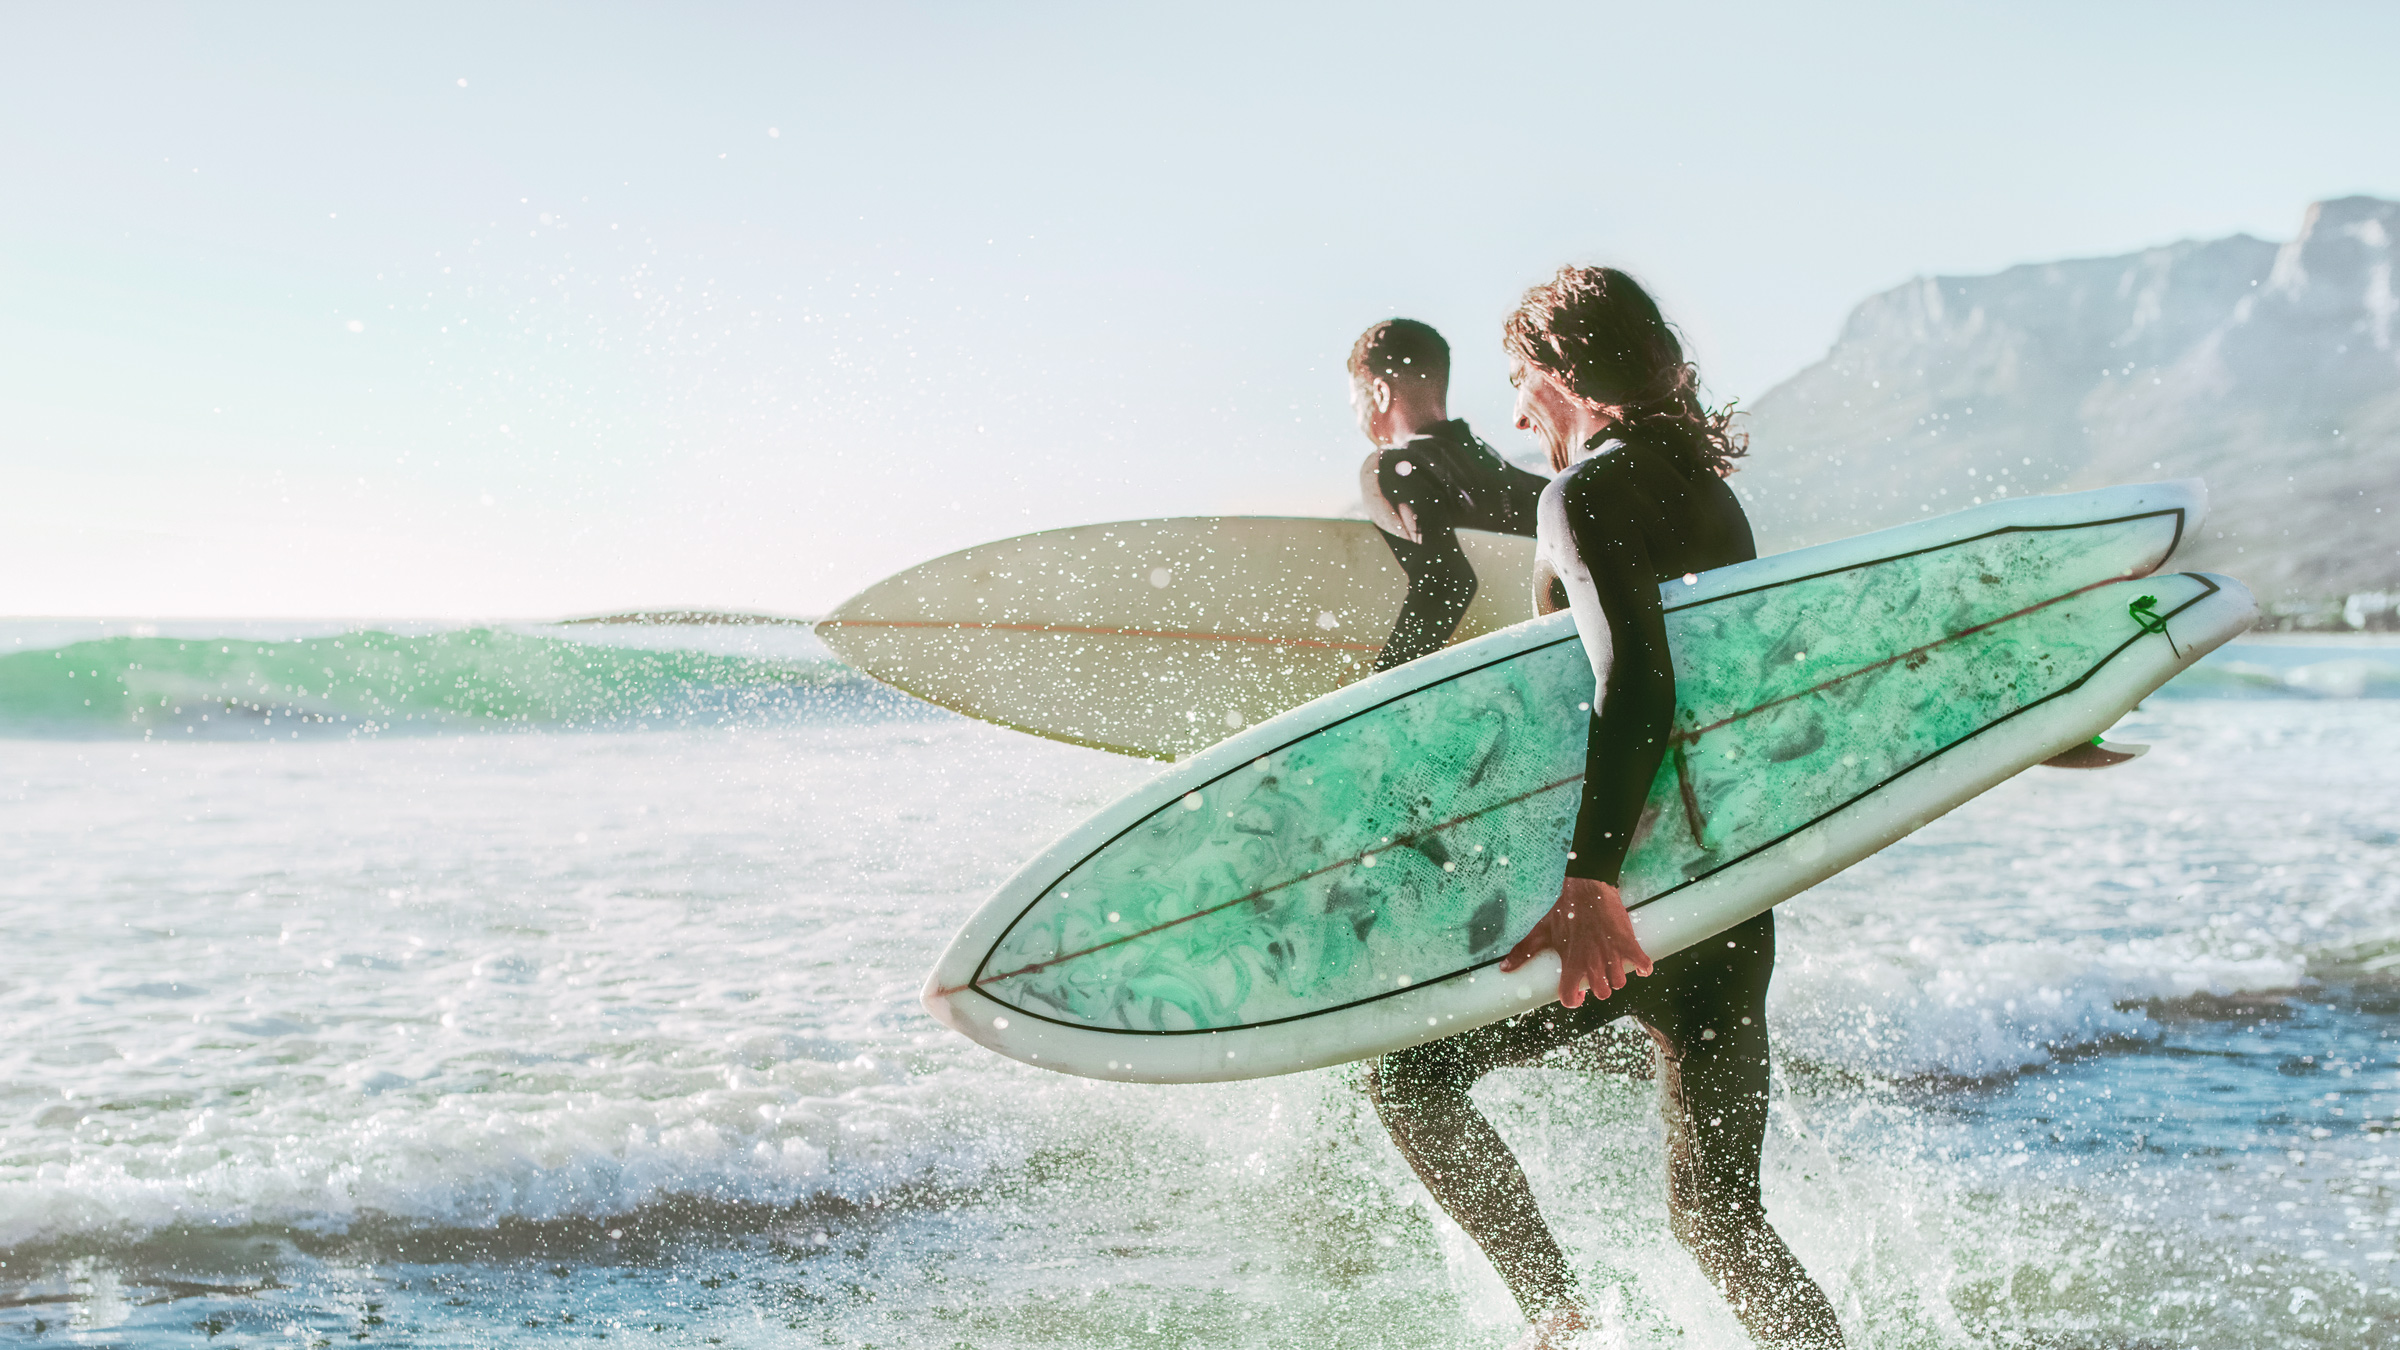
(1441, 582)
(1521, 493)
(1636, 711)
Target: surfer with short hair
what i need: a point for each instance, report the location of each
(1640, 499)
(1429, 478)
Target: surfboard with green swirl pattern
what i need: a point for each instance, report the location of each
(1341, 880)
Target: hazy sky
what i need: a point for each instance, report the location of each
(518, 310)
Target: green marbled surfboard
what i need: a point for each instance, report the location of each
(1389, 842)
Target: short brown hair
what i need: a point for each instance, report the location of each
(1399, 349)
(1596, 331)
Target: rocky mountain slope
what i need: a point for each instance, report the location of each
(2273, 371)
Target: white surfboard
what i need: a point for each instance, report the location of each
(1341, 880)
(1154, 637)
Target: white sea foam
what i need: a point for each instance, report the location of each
(448, 981)
(2252, 845)
(478, 977)
(460, 979)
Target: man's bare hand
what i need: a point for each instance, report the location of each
(1593, 936)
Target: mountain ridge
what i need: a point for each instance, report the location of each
(2271, 370)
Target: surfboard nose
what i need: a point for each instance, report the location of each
(937, 1003)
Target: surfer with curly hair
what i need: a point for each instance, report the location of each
(1429, 478)
(1640, 500)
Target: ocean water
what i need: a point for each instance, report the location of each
(519, 985)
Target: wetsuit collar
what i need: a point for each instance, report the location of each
(1599, 443)
(1453, 430)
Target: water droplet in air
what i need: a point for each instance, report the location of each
(1161, 577)
(1112, 916)
(1191, 801)
(999, 1024)
(1327, 621)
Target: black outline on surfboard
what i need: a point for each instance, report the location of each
(974, 980)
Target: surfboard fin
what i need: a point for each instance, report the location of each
(2097, 754)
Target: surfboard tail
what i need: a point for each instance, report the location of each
(2193, 493)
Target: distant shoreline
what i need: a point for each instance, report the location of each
(692, 616)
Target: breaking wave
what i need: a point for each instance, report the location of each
(369, 680)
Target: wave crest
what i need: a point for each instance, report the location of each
(370, 680)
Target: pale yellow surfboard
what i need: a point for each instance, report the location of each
(1154, 637)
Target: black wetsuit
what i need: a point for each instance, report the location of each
(1450, 481)
(1614, 527)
